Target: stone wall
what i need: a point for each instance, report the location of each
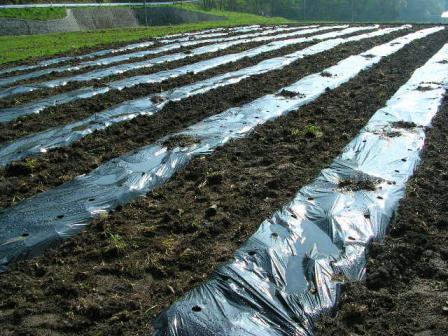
(103, 18)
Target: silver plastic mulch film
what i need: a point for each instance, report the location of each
(223, 44)
(12, 113)
(68, 134)
(291, 269)
(61, 212)
(172, 38)
(170, 45)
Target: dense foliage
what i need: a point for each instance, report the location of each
(359, 10)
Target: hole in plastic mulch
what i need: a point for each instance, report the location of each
(91, 199)
(274, 235)
(25, 234)
(252, 253)
(60, 216)
(196, 309)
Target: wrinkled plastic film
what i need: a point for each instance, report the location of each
(67, 134)
(122, 68)
(291, 270)
(172, 38)
(61, 212)
(170, 46)
(9, 114)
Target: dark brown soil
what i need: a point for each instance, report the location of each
(55, 75)
(65, 113)
(326, 74)
(180, 141)
(406, 290)
(424, 88)
(123, 270)
(404, 124)
(357, 185)
(79, 109)
(290, 94)
(60, 165)
(20, 99)
(41, 93)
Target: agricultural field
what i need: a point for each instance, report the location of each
(228, 181)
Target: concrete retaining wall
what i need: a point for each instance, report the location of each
(103, 18)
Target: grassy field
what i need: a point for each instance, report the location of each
(17, 48)
(33, 13)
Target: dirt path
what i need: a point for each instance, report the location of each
(120, 273)
(17, 181)
(406, 290)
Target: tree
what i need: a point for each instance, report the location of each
(343, 10)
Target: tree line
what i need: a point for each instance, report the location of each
(30, 2)
(345, 10)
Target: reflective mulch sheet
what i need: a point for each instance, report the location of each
(291, 269)
(59, 213)
(68, 134)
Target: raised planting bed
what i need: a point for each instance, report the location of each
(166, 195)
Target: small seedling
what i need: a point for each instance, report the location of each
(31, 164)
(314, 131)
(311, 131)
(118, 242)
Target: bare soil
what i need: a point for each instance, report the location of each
(115, 277)
(72, 85)
(406, 289)
(63, 164)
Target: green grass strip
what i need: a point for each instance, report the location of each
(16, 48)
(42, 14)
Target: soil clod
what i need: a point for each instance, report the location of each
(424, 88)
(291, 94)
(357, 185)
(157, 99)
(140, 260)
(19, 168)
(404, 124)
(181, 141)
